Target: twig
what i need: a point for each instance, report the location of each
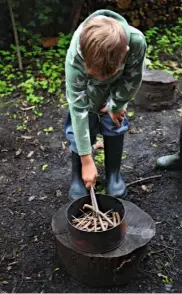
(19, 286)
(118, 218)
(101, 223)
(100, 213)
(15, 34)
(95, 224)
(155, 252)
(94, 200)
(143, 180)
(172, 248)
(114, 218)
(4, 252)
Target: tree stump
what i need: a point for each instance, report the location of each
(109, 269)
(157, 92)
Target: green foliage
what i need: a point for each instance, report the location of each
(99, 158)
(165, 48)
(43, 76)
(42, 79)
(48, 130)
(101, 189)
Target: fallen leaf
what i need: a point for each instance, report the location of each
(127, 166)
(133, 131)
(50, 42)
(18, 152)
(27, 137)
(165, 279)
(146, 188)
(9, 268)
(63, 146)
(44, 166)
(4, 282)
(124, 156)
(42, 148)
(31, 198)
(131, 113)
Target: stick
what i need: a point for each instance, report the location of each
(94, 200)
(118, 217)
(114, 218)
(86, 225)
(82, 222)
(106, 225)
(95, 224)
(100, 213)
(143, 180)
(101, 223)
(15, 34)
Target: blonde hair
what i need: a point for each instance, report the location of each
(103, 43)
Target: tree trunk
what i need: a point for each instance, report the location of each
(15, 34)
(77, 12)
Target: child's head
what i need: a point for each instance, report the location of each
(104, 45)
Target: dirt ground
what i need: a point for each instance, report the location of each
(29, 196)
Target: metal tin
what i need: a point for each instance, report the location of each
(97, 242)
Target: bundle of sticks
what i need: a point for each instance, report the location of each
(96, 221)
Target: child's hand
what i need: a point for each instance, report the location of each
(116, 117)
(89, 171)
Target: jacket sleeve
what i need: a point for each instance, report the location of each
(126, 87)
(76, 83)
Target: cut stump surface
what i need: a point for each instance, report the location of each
(158, 90)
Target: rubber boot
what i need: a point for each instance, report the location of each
(174, 161)
(113, 149)
(170, 162)
(77, 188)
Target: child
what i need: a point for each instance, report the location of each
(104, 67)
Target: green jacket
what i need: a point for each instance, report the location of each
(85, 94)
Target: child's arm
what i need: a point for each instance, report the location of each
(125, 88)
(76, 84)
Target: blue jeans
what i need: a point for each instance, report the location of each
(98, 124)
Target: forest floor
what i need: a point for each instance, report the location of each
(35, 173)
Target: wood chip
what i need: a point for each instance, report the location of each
(30, 154)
